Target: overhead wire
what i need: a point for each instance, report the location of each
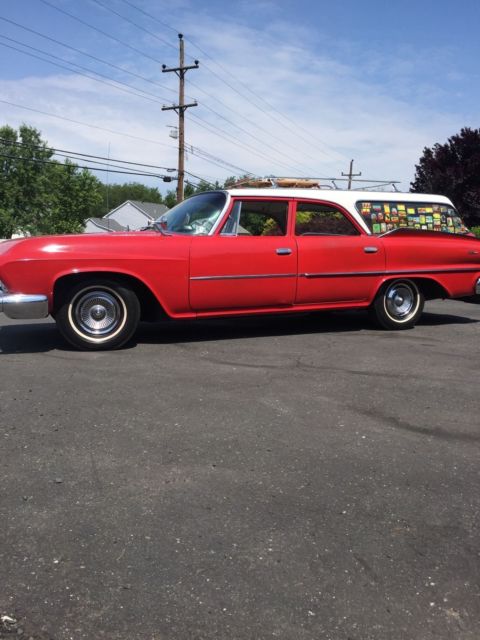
(235, 89)
(193, 84)
(148, 56)
(103, 33)
(95, 127)
(147, 95)
(139, 93)
(68, 154)
(89, 55)
(63, 44)
(74, 165)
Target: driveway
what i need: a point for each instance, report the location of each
(303, 478)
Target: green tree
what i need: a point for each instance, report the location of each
(114, 195)
(38, 195)
(453, 169)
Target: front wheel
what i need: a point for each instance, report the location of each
(398, 305)
(98, 314)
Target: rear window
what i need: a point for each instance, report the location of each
(382, 216)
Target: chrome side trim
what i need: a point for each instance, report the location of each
(385, 273)
(246, 277)
(19, 306)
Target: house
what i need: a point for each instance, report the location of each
(129, 216)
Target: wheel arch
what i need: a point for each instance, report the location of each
(429, 286)
(151, 307)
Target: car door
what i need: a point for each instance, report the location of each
(337, 261)
(251, 263)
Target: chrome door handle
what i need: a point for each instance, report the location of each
(370, 249)
(283, 251)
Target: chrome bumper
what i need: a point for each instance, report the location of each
(19, 306)
(477, 287)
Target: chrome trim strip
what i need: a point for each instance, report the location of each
(19, 306)
(386, 273)
(246, 277)
(341, 274)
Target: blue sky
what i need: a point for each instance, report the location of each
(370, 80)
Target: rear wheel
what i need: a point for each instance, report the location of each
(398, 305)
(98, 314)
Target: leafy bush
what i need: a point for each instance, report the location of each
(476, 231)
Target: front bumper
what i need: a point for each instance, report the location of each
(19, 306)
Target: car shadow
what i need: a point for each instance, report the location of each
(44, 337)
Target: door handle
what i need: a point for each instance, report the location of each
(283, 251)
(370, 249)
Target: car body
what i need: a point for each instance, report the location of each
(247, 251)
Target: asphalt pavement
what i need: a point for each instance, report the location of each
(306, 477)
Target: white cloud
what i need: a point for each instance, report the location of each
(381, 122)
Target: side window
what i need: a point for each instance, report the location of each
(383, 216)
(257, 218)
(322, 220)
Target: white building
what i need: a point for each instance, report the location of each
(129, 216)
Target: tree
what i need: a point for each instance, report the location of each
(453, 169)
(37, 194)
(114, 195)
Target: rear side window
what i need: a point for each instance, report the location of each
(382, 216)
(322, 220)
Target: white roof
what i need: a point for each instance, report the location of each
(346, 199)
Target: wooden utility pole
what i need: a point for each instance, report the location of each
(180, 109)
(351, 175)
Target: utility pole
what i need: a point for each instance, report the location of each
(351, 175)
(180, 109)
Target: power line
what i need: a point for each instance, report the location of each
(150, 33)
(78, 153)
(147, 95)
(143, 94)
(98, 128)
(104, 33)
(84, 53)
(77, 166)
(271, 107)
(202, 90)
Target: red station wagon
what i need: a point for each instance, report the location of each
(247, 251)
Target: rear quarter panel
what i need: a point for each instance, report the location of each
(452, 261)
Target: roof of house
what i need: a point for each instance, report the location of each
(150, 210)
(106, 223)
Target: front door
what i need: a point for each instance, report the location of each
(250, 264)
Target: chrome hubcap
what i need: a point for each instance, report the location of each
(97, 313)
(400, 301)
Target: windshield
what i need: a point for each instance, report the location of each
(382, 216)
(194, 216)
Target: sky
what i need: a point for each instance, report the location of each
(285, 88)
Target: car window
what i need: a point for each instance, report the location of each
(321, 219)
(382, 216)
(257, 218)
(196, 215)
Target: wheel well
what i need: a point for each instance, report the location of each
(431, 289)
(151, 309)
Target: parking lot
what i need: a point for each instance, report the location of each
(303, 477)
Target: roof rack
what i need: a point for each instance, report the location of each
(276, 182)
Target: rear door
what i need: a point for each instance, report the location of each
(251, 263)
(337, 261)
